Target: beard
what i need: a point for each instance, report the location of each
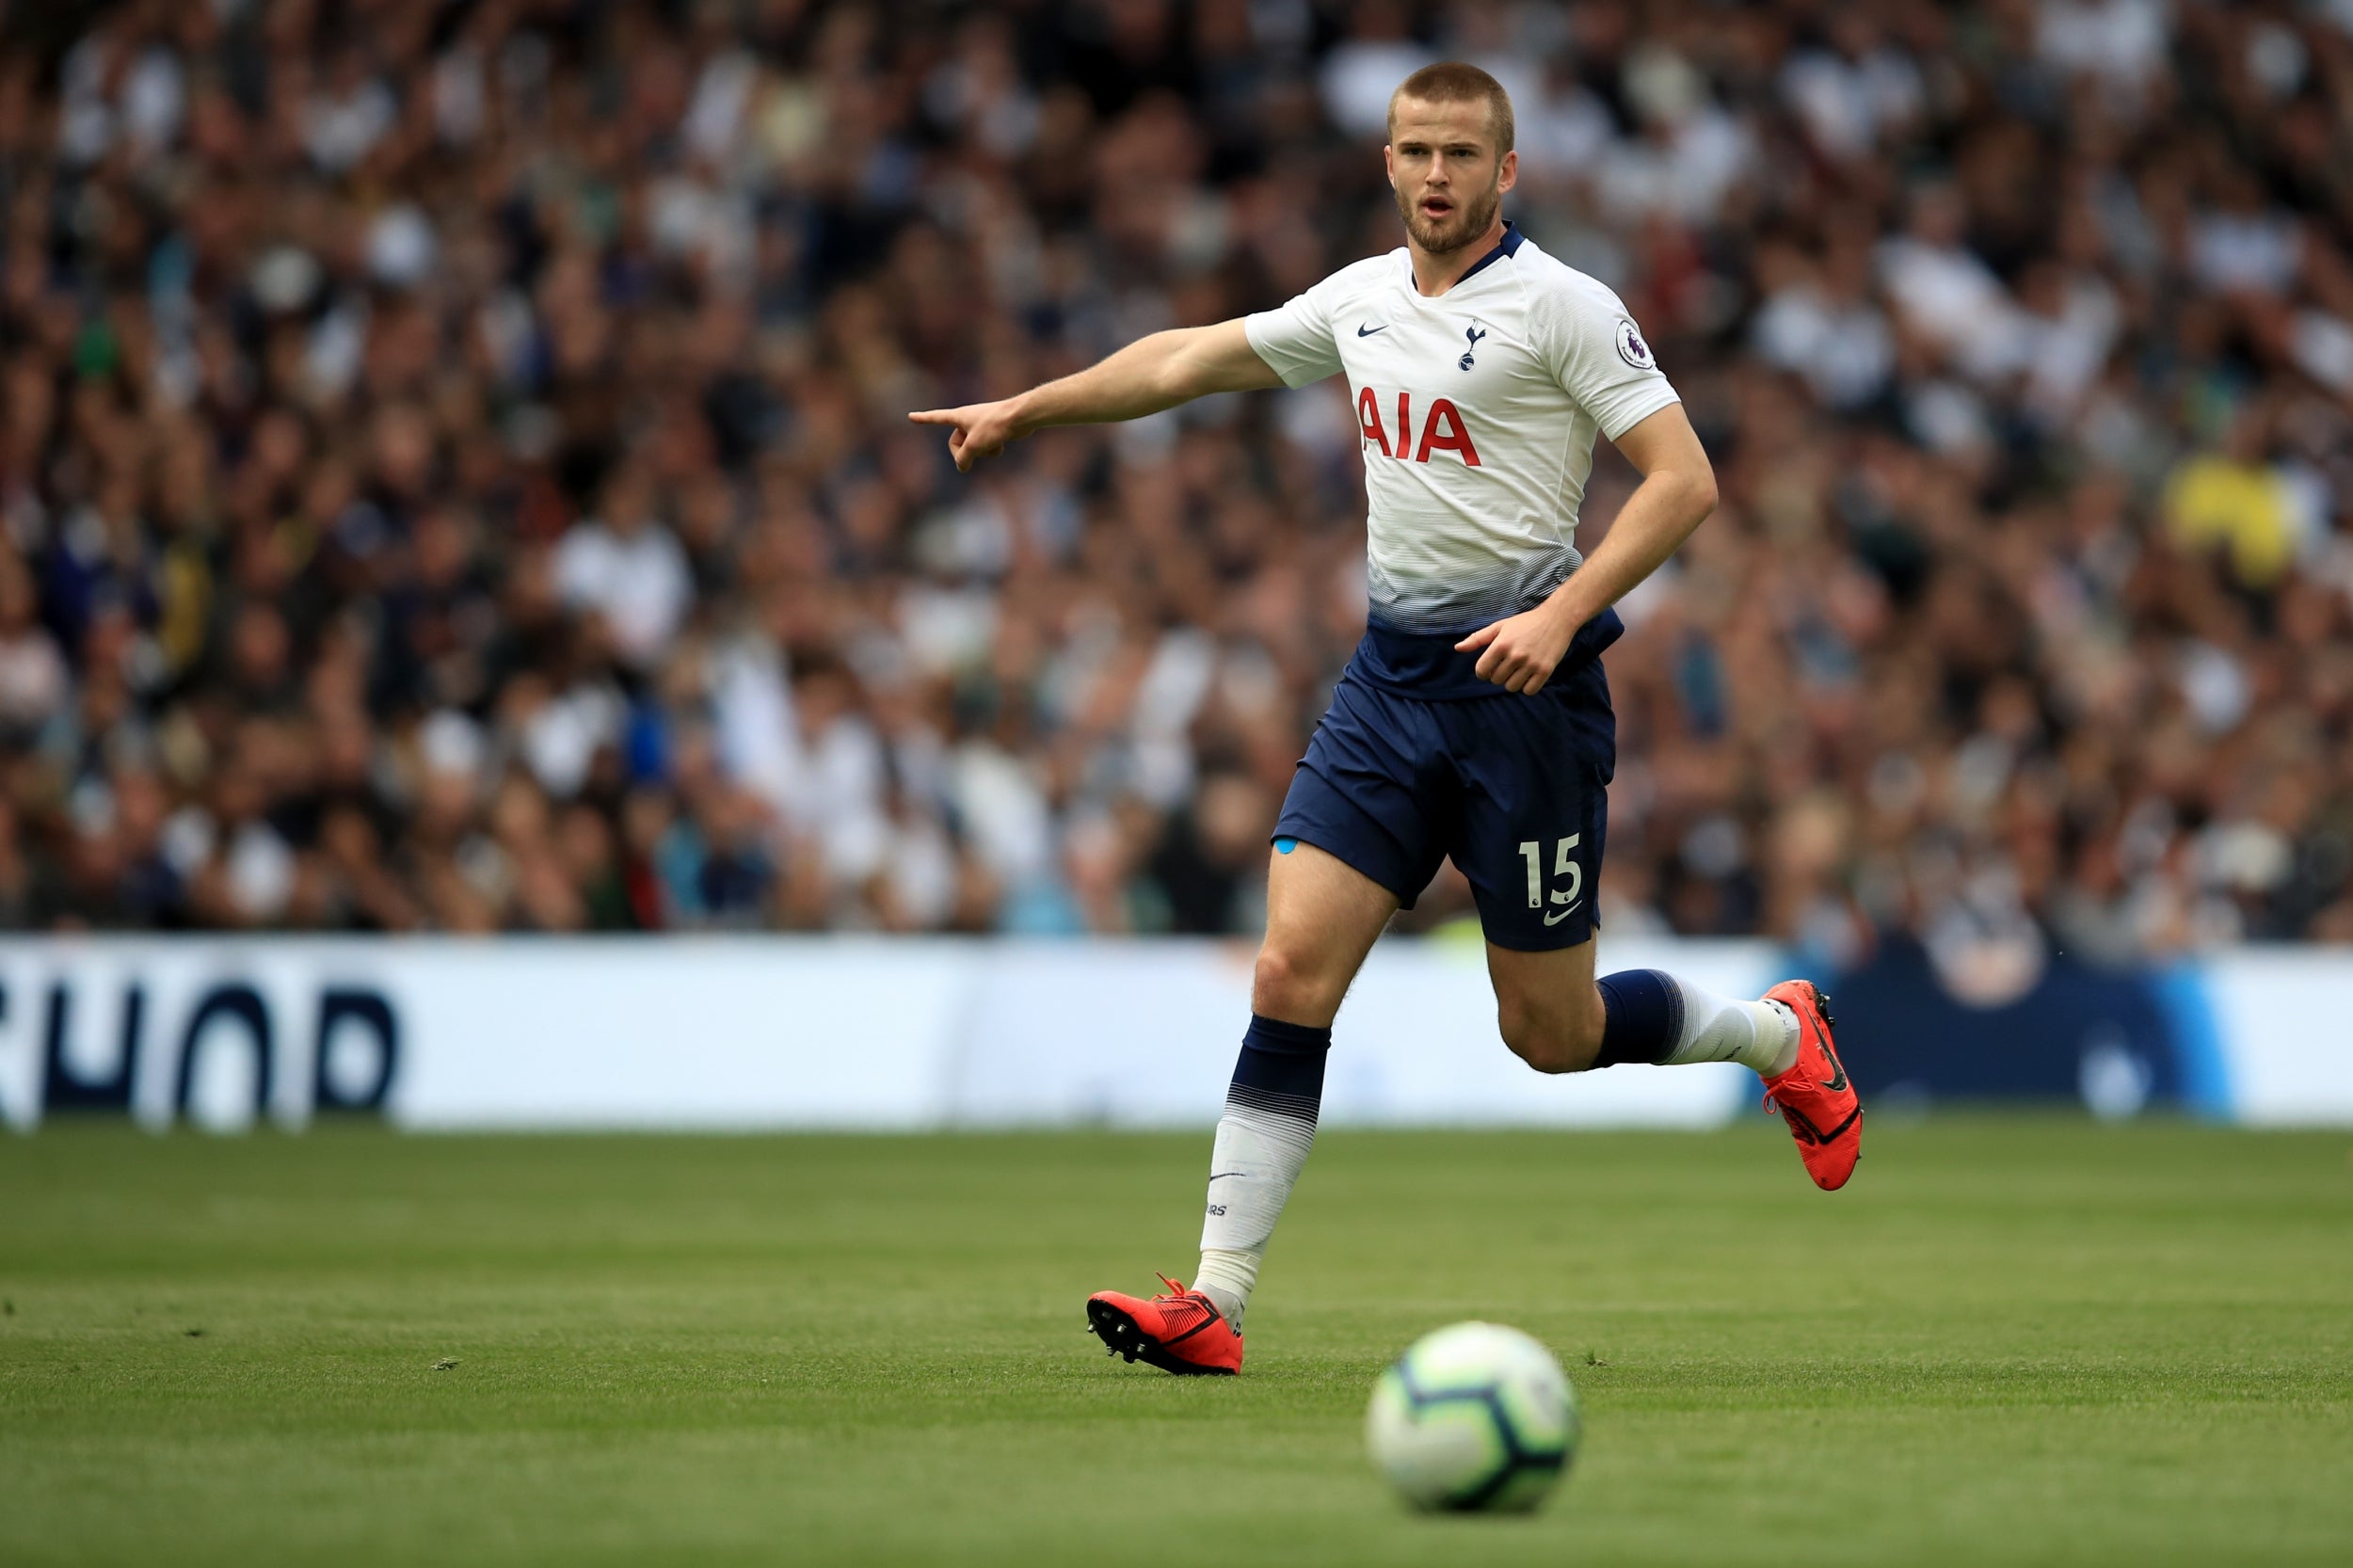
(1466, 222)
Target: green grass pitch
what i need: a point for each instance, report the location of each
(2010, 1342)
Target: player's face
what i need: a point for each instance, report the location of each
(1444, 168)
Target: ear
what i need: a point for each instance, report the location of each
(1388, 163)
(1508, 175)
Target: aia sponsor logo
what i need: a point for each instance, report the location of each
(1442, 429)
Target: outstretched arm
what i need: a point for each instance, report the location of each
(1677, 492)
(1148, 375)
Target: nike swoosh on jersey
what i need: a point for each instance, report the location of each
(1368, 332)
(1556, 920)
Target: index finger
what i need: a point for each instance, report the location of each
(934, 416)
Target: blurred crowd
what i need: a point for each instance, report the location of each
(454, 472)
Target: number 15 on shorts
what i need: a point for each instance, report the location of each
(1563, 898)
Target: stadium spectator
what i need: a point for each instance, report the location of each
(451, 471)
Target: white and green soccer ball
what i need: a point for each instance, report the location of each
(1473, 1417)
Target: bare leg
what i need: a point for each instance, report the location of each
(1554, 1016)
(1548, 1006)
(1323, 916)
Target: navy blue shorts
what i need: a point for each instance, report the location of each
(1513, 788)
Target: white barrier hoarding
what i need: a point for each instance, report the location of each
(748, 1033)
(2285, 1043)
(761, 1032)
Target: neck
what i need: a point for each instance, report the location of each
(1435, 272)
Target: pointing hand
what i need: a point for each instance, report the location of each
(975, 431)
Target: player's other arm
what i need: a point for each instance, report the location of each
(1677, 492)
(1145, 377)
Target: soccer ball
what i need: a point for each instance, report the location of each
(1476, 1417)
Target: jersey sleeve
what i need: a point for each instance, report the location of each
(1295, 338)
(1602, 360)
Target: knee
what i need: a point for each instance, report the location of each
(1550, 1039)
(1290, 985)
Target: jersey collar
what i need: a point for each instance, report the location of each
(1508, 246)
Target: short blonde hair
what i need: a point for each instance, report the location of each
(1459, 82)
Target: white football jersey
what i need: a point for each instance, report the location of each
(1477, 412)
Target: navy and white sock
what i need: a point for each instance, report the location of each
(1652, 1016)
(1262, 1143)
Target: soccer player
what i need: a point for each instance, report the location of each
(1474, 719)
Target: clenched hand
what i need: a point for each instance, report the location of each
(1522, 650)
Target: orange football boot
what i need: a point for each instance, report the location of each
(1180, 1331)
(1813, 1097)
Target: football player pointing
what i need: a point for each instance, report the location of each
(1474, 720)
